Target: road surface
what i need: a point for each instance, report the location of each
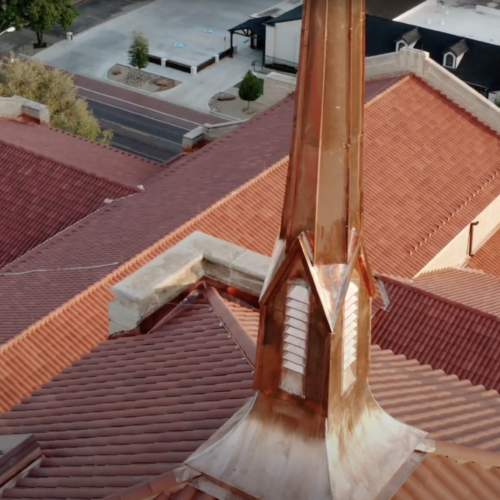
(142, 125)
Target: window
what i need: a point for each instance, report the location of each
(401, 44)
(350, 334)
(293, 365)
(449, 60)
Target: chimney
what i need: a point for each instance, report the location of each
(313, 429)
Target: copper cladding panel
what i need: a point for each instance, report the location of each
(324, 184)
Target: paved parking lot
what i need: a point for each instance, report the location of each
(188, 31)
(172, 26)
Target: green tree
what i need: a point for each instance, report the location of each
(250, 88)
(138, 51)
(39, 15)
(33, 80)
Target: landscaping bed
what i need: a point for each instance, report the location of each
(140, 79)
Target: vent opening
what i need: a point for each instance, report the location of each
(350, 334)
(293, 367)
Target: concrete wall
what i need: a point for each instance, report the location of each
(198, 137)
(17, 107)
(283, 41)
(455, 253)
(420, 64)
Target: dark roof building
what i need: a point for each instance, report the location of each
(474, 62)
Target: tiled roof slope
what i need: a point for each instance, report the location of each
(442, 478)
(446, 335)
(132, 408)
(467, 286)
(77, 152)
(407, 109)
(57, 340)
(136, 407)
(436, 478)
(487, 258)
(39, 198)
(124, 228)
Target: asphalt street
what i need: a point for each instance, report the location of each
(139, 134)
(142, 124)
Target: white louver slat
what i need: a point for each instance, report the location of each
(295, 339)
(350, 331)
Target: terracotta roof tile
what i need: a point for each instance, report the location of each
(436, 478)
(469, 287)
(77, 152)
(487, 258)
(408, 108)
(136, 407)
(131, 409)
(442, 478)
(39, 198)
(57, 339)
(124, 228)
(446, 335)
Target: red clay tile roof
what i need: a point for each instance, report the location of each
(407, 109)
(487, 258)
(125, 227)
(56, 341)
(39, 198)
(436, 478)
(133, 408)
(442, 478)
(446, 335)
(79, 153)
(136, 407)
(467, 286)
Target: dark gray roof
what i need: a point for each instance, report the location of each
(255, 24)
(412, 36)
(390, 9)
(480, 65)
(459, 48)
(292, 15)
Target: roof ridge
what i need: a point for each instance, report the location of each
(144, 254)
(455, 212)
(66, 165)
(458, 305)
(211, 145)
(392, 86)
(105, 146)
(69, 228)
(459, 269)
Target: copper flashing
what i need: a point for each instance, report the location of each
(234, 327)
(313, 351)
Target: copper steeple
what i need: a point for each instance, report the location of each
(313, 429)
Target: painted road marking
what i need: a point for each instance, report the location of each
(209, 32)
(180, 45)
(134, 104)
(139, 114)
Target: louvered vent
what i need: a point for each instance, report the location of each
(350, 332)
(295, 339)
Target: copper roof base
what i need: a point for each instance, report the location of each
(294, 454)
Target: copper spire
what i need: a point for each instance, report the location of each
(313, 429)
(323, 194)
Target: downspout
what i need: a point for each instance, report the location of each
(471, 234)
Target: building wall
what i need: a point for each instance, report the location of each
(455, 253)
(283, 42)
